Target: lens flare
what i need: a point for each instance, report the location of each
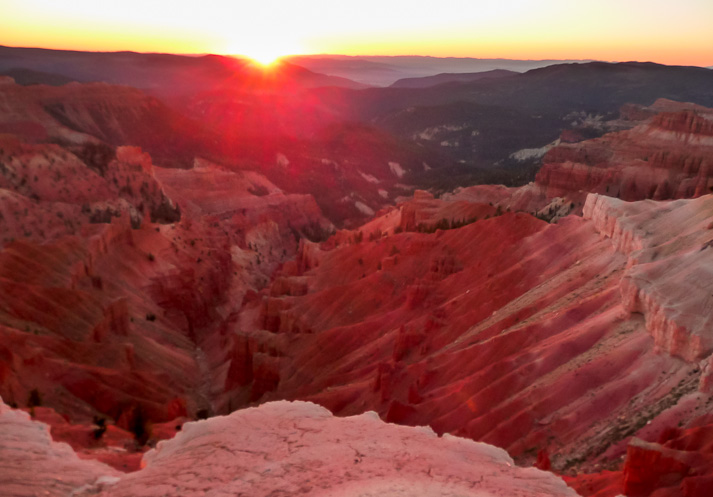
(264, 51)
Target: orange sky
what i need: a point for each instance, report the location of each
(671, 32)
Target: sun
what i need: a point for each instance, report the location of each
(264, 51)
(265, 57)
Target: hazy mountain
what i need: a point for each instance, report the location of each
(445, 78)
(591, 87)
(28, 77)
(161, 74)
(385, 70)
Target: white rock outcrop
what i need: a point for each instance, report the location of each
(32, 464)
(669, 275)
(299, 448)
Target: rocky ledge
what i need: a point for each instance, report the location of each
(670, 267)
(280, 448)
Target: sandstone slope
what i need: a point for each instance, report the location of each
(559, 340)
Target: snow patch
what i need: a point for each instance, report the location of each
(583, 119)
(432, 132)
(363, 208)
(396, 169)
(533, 153)
(370, 178)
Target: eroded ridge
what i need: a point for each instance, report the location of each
(669, 276)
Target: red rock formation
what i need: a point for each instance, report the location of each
(661, 158)
(667, 155)
(686, 122)
(653, 285)
(47, 192)
(92, 112)
(426, 213)
(650, 466)
(107, 320)
(678, 465)
(516, 333)
(558, 342)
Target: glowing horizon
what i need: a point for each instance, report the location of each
(658, 31)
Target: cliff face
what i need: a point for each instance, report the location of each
(669, 273)
(666, 157)
(664, 152)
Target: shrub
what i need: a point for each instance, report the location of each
(100, 429)
(97, 156)
(140, 427)
(34, 399)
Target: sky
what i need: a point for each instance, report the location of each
(669, 32)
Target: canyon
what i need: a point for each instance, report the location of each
(148, 282)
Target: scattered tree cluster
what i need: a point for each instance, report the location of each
(97, 156)
(445, 224)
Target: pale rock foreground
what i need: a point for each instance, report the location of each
(298, 448)
(32, 464)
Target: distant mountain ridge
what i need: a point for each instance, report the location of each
(383, 70)
(160, 74)
(445, 78)
(481, 124)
